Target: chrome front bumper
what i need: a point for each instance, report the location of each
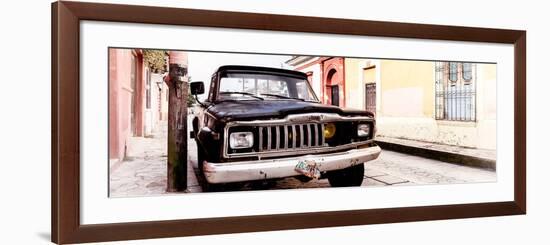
(285, 167)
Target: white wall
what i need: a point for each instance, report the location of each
(316, 78)
(25, 180)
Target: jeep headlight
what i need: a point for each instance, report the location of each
(363, 129)
(330, 130)
(241, 140)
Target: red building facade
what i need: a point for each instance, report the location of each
(334, 81)
(326, 75)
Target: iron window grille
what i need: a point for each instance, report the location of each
(455, 96)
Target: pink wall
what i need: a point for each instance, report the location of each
(120, 100)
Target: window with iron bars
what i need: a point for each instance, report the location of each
(455, 91)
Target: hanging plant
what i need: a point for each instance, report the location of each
(155, 59)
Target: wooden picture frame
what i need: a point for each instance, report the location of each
(66, 226)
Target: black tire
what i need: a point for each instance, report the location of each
(201, 156)
(352, 176)
(206, 187)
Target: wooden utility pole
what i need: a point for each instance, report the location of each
(177, 121)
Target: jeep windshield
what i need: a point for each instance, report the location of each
(246, 86)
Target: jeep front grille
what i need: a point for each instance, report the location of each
(288, 137)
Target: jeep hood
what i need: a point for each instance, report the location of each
(266, 109)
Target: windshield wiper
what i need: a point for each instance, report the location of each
(243, 93)
(282, 96)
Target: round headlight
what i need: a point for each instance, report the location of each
(330, 130)
(363, 130)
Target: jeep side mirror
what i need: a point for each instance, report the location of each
(197, 88)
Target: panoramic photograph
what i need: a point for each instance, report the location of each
(201, 121)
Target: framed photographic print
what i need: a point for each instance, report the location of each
(177, 122)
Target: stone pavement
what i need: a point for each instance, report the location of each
(398, 168)
(144, 172)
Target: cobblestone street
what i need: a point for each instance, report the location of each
(144, 173)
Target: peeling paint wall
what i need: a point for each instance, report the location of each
(429, 130)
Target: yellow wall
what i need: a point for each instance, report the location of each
(487, 91)
(407, 88)
(354, 89)
(405, 92)
(369, 75)
(487, 71)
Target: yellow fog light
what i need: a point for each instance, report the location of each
(330, 130)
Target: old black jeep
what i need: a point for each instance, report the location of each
(262, 123)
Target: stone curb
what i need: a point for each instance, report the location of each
(445, 156)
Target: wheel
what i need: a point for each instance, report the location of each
(201, 157)
(352, 176)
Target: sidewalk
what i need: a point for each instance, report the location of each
(143, 172)
(480, 158)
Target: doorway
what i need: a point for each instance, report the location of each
(334, 95)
